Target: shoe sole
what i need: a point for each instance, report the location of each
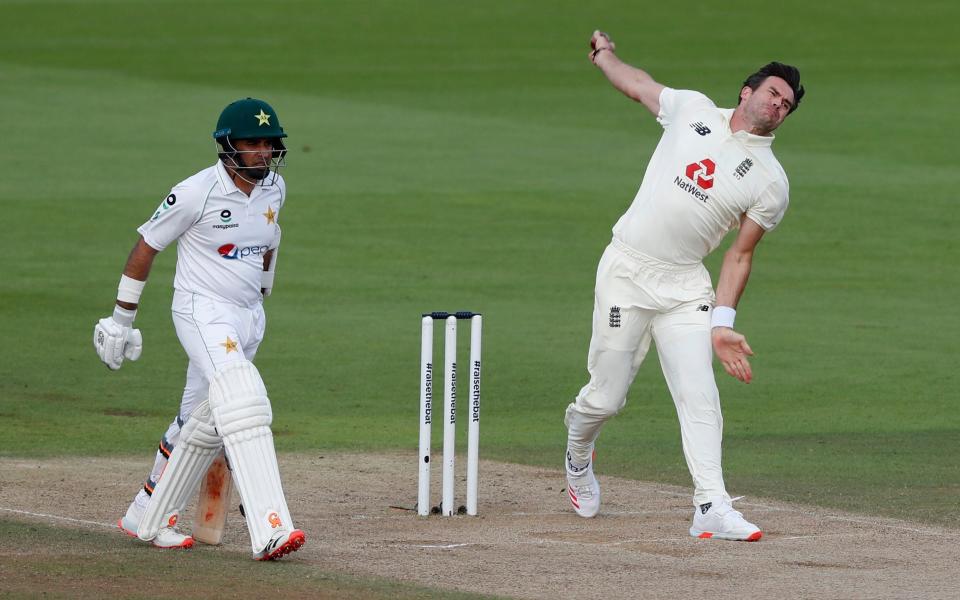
(705, 535)
(293, 543)
(187, 543)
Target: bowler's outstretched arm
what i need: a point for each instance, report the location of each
(635, 83)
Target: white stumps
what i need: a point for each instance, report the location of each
(447, 506)
(426, 410)
(449, 413)
(473, 430)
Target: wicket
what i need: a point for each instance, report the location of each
(449, 410)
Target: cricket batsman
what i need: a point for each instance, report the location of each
(712, 171)
(224, 222)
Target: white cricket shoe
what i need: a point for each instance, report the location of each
(281, 544)
(167, 537)
(718, 519)
(583, 489)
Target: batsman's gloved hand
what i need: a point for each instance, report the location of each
(115, 339)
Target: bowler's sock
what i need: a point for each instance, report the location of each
(578, 456)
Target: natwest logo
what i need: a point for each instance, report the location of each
(702, 173)
(233, 252)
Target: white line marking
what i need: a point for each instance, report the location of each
(608, 513)
(821, 515)
(442, 547)
(544, 541)
(891, 526)
(57, 517)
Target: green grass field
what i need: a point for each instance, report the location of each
(449, 156)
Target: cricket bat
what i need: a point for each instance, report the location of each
(211, 516)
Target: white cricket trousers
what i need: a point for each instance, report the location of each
(213, 334)
(638, 299)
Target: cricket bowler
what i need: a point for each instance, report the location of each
(712, 171)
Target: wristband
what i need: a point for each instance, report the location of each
(124, 316)
(723, 316)
(130, 289)
(593, 57)
(266, 279)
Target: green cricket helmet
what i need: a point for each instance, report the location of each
(249, 119)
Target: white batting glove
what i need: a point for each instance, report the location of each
(114, 338)
(134, 346)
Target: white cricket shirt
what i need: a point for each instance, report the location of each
(221, 234)
(700, 180)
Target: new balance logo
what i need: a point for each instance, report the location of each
(614, 316)
(705, 507)
(703, 308)
(700, 128)
(742, 168)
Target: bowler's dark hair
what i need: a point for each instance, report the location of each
(787, 73)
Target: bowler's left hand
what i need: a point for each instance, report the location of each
(732, 350)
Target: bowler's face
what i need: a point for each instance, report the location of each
(768, 105)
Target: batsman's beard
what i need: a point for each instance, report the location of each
(255, 173)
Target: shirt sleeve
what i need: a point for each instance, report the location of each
(277, 235)
(770, 206)
(673, 103)
(177, 213)
(282, 184)
(283, 197)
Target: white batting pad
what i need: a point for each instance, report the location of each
(241, 411)
(199, 444)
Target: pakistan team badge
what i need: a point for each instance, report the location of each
(263, 118)
(229, 345)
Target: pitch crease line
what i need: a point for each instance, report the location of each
(891, 526)
(57, 517)
(820, 515)
(612, 513)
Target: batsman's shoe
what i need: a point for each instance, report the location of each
(167, 537)
(281, 544)
(718, 519)
(583, 489)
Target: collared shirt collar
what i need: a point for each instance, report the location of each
(227, 186)
(744, 137)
